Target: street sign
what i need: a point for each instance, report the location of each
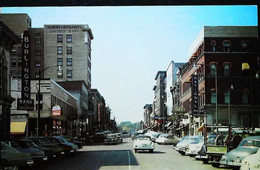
(25, 104)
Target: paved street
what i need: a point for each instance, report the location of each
(122, 157)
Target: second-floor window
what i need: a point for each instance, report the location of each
(59, 49)
(59, 38)
(69, 49)
(213, 69)
(213, 97)
(226, 69)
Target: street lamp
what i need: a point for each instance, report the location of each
(39, 92)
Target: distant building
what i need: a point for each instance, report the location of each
(147, 115)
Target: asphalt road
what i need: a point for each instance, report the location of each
(122, 157)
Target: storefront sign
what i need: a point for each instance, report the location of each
(25, 104)
(195, 96)
(56, 110)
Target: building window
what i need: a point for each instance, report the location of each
(37, 53)
(69, 73)
(37, 40)
(244, 45)
(37, 34)
(59, 50)
(213, 97)
(227, 46)
(59, 73)
(213, 43)
(14, 51)
(59, 61)
(227, 97)
(19, 62)
(13, 62)
(213, 69)
(37, 75)
(69, 49)
(37, 106)
(37, 63)
(59, 38)
(69, 38)
(245, 97)
(69, 61)
(226, 69)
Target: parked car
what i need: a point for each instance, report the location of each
(72, 140)
(67, 148)
(167, 139)
(143, 142)
(48, 152)
(13, 159)
(251, 161)
(64, 140)
(194, 147)
(111, 139)
(36, 154)
(119, 137)
(43, 142)
(182, 146)
(247, 146)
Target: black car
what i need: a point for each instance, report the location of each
(67, 148)
(36, 154)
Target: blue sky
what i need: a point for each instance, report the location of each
(132, 43)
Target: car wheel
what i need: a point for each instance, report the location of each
(205, 161)
(216, 165)
(159, 143)
(151, 150)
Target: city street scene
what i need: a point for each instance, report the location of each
(129, 87)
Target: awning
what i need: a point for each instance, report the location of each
(18, 127)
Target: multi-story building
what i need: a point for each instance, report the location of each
(68, 46)
(159, 99)
(147, 115)
(7, 40)
(227, 65)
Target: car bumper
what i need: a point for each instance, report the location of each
(229, 163)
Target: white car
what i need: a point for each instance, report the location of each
(194, 147)
(166, 139)
(251, 162)
(143, 142)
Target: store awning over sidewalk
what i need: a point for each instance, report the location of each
(18, 127)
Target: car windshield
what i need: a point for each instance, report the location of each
(250, 143)
(143, 138)
(164, 136)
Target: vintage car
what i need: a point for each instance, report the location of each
(247, 146)
(64, 140)
(166, 139)
(143, 142)
(36, 154)
(75, 141)
(111, 139)
(119, 137)
(194, 147)
(251, 161)
(182, 146)
(67, 148)
(13, 159)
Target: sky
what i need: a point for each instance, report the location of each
(131, 44)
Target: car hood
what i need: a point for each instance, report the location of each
(142, 142)
(241, 152)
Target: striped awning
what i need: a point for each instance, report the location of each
(18, 127)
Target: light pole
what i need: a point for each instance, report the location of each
(38, 94)
(229, 102)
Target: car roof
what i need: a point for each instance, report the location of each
(252, 138)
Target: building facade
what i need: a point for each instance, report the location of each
(147, 115)
(226, 62)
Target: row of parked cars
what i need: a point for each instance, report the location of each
(30, 151)
(244, 156)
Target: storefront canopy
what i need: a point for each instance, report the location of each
(18, 127)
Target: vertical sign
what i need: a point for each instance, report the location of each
(195, 95)
(25, 103)
(26, 66)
